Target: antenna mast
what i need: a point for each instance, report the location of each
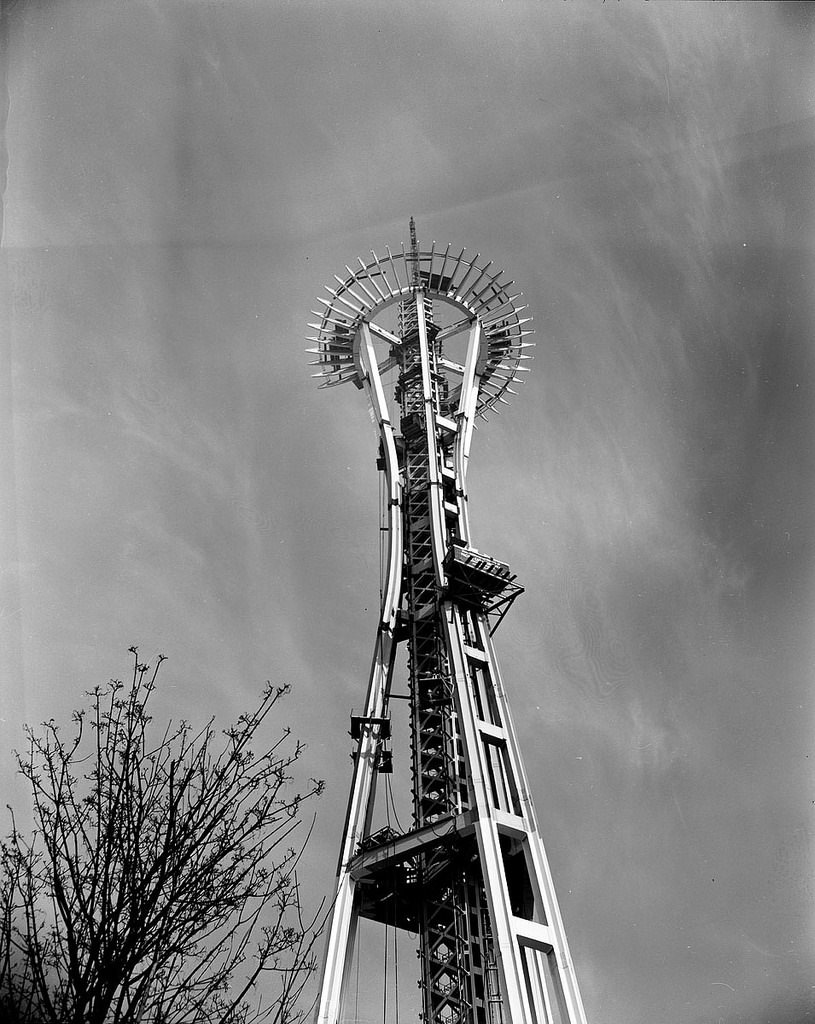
(414, 253)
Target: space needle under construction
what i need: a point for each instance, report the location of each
(436, 340)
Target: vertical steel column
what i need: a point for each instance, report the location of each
(537, 980)
(342, 927)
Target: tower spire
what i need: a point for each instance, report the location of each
(414, 254)
(469, 877)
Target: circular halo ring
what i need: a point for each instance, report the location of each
(455, 280)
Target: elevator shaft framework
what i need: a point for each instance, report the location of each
(471, 876)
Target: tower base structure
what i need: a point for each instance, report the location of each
(470, 877)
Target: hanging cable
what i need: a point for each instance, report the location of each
(387, 808)
(389, 797)
(385, 981)
(358, 954)
(396, 974)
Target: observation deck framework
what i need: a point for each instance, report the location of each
(471, 876)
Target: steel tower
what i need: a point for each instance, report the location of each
(470, 877)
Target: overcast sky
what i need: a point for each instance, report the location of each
(184, 177)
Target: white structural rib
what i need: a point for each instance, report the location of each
(533, 989)
(340, 941)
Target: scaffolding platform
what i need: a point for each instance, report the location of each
(477, 579)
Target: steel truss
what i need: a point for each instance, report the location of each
(471, 877)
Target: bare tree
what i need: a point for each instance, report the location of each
(159, 882)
